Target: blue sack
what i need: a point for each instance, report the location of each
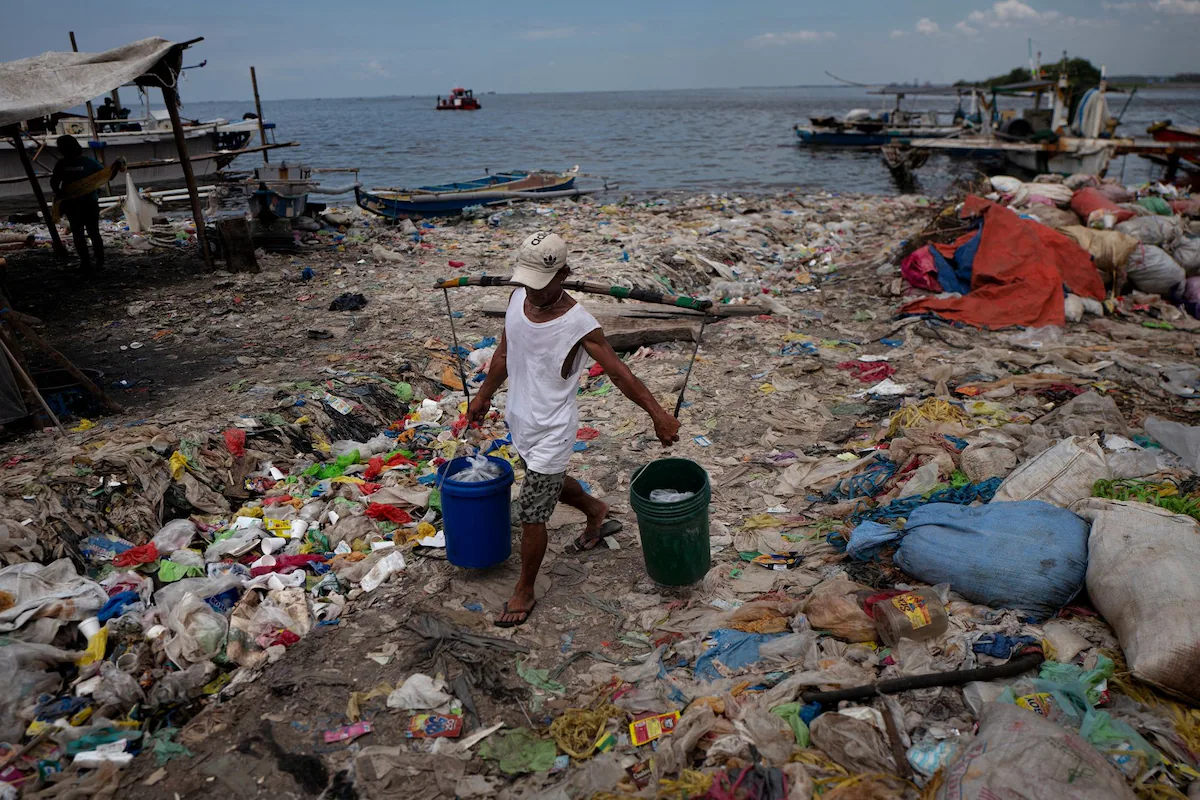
(1026, 555)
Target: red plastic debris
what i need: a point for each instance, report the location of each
(869, 372)
(136, 556)
(382, 512)
(235, 442)
(595, 370)
(457, 264)
(586, 434)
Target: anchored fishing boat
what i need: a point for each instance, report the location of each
(460, 99)
(282, 190)
(1167, 131)
(860, 128)
(451, 198)
(1046, 139)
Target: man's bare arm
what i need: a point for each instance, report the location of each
(666, 427)
(497, 375)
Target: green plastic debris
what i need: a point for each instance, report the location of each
(336, 469)
(1090, 680)
(519, 752)
(404, 391)
(539, 678)
(790, 713)
(164, 748)
(169, 571)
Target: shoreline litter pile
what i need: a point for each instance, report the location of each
(947, 561)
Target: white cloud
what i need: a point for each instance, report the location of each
(542, 34)
(1007, 13)
(1177, 6)
(927, 26)
(962, 27)
(1160, 6)
(791, 37)
(375, 69)
(897, 34)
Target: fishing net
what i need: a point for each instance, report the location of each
(929, 410)
(579, 730)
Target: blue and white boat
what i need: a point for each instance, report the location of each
(451, 198)
(860, 128)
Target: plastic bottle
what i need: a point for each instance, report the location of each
(915, 615)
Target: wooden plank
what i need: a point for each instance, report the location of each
(631, 335)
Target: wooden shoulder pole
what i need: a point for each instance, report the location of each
(59, 249)
(171, 98)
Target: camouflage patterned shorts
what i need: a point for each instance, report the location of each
(539, 495)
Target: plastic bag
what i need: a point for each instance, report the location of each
(1182, 440)
(834, 607)
(1061, 475)
(24, 666)
(117, 689)
(1141, 575)
(175, 535)
(1186, 253)
(179, 687)
(199, 632)
(139, 213)
(856, 745)
(419, 693)
(385, 568)
(1016, 753)
(1159, 231)
(923, 479)
(1152, 270)
(479, 469)
(669, 496)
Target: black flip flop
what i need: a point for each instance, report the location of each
(581, 545)
(519, 623)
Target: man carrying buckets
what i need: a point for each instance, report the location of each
(542, 352)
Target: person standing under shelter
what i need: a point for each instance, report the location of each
(81, 208)
(541, 354)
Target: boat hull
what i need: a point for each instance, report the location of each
(1165, 132)
(848, 137)
(133, 147)
(430, 202)
(1093, 162)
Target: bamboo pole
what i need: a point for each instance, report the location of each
(64, 362)
(19, 369)
(262, 130)
(60, 249)
(91, 113)
(171, 97)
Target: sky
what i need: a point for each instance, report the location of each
(364, 48)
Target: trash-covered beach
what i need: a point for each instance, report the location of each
(240, 585)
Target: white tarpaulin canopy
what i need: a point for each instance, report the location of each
(49, 83)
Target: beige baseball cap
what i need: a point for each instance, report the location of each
(540, 258)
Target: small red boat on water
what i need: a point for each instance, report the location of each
(460, 99)
(1166, 131)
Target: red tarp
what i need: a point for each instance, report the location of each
(1018, 274)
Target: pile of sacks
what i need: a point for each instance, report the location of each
(1146, 238)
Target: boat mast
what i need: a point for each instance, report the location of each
(1058, 122)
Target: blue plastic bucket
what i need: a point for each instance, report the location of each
(475, 516)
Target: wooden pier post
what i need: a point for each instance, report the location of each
(171, 98)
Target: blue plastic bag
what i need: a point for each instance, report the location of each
(1026, 555)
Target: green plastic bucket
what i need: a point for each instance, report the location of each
(674, 535)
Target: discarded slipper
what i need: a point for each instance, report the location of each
(515, 623)
(581, 545)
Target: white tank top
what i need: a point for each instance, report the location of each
(542, 410)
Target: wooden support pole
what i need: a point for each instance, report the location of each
(171, 97)
(64, 362)
(60, 250)
(262, 130)
(22, 375)
(91, 112)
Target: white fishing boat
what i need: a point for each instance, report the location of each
(212, 145)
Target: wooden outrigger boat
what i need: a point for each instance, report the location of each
(451, 198)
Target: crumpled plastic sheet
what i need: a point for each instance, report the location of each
(47, 596)
(519, 751)
(731, 650)
(856, 745)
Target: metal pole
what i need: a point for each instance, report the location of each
(262, 130)
(462, 376)
(59, 249)
(692, 363)
(171, 97)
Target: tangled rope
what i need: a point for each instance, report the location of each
(579, 730)
(867, 483)
(931, 409)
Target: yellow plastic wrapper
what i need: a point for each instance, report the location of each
(178, 464)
